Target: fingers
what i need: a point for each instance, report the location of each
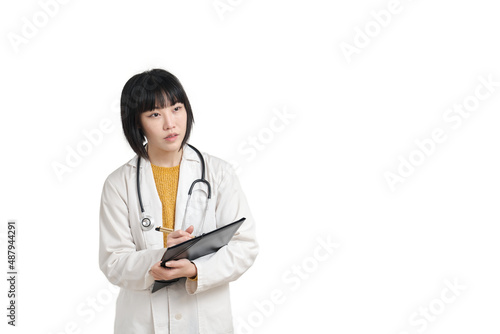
(179, 236)
(174, 269)
(182, 233)
(156, 270)
(175, 241)
(173, 264)
(176, 264)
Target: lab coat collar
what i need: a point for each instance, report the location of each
(188, 154)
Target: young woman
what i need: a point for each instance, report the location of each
(156, 110)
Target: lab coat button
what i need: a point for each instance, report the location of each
(178, 316)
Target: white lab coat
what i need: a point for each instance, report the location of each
(126, 253)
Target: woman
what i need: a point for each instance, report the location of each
(154, 107)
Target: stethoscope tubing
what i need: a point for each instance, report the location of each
(146, 221)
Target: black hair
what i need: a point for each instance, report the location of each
(147, 91)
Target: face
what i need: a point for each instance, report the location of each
(165, 128)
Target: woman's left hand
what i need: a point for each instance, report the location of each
(174, 269)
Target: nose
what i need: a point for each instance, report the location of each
(168, 121)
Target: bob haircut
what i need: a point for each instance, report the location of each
(144, 92)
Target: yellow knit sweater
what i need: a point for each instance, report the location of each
(166, 180)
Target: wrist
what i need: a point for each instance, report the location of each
(194, 275)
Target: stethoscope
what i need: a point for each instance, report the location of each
(147, 222)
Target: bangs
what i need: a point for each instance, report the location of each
(157, 92)
(166, 97)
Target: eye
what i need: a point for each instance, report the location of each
(154, 115)
(178, 107)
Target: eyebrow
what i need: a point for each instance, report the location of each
(172, 105)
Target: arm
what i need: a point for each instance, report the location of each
(231, 261)
(119, 259)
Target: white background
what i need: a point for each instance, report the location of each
(320, 178)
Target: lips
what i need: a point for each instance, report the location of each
(171, 137)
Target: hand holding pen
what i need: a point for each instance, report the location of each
(176, 237)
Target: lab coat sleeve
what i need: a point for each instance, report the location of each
(119, 259)
(231, 261)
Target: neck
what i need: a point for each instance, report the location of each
(164, 159)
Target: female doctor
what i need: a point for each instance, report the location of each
(155, 108)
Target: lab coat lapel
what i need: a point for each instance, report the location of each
(154, 202)
(190, 170)
(153, 197)
(151, 202)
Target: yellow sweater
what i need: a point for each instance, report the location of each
(166, 180)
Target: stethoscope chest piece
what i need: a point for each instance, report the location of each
(146, 222)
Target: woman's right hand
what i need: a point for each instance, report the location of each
(179, 236)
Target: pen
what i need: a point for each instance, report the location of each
(163, 229)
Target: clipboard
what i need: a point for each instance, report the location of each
(199, 246)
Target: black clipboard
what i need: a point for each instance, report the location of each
(199, 246)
